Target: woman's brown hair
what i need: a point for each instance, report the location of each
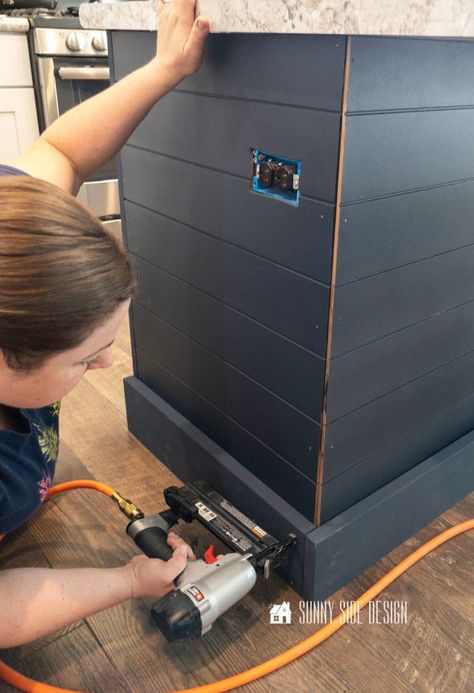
(61, 272)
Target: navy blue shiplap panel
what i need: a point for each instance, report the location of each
(210, 262)
(364, 374)
(280, 476)
(390, 153)
(131, 50)
(399, 73)
(404, 451)
(289, 303)
(250, 66)
(379, 235)
(185, 251)
(280, 299)
(299, 238)
(281, 427)
(372, 428)
(219, 133)
(281, 366)
(384, 303)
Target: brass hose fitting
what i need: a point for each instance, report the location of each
(128, 508)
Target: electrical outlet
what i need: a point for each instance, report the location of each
(275, 176)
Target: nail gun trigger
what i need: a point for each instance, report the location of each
(209, 555)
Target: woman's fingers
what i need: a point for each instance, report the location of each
(181, 37)
(174, 541)
(194, 46)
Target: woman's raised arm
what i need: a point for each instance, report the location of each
(85, 137)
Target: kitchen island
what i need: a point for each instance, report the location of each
(308, 350)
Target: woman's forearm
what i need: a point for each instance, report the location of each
(35, 602)
(94, 131)
(87, 136)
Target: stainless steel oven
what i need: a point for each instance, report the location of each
(72, 66)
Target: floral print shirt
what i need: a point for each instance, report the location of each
(28, 455)
(27, 463)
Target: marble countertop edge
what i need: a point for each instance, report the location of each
(437, 18)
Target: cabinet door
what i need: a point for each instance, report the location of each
(15, 70)
(18, 122)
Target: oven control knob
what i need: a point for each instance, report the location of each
(99, 42)
(75, 41)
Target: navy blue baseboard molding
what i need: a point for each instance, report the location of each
(324, 558)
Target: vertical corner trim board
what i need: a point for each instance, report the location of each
(337, 220)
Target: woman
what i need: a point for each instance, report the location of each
(65, 287)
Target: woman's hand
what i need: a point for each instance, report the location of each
(151, 577)
(181, 39)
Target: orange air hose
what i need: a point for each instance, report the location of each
(81, 483)
(31, 686)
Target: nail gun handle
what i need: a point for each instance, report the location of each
(152, 541)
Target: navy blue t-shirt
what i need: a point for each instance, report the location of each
(28, 454)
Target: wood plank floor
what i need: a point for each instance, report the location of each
(119, 650)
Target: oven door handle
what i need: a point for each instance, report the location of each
(87, 72)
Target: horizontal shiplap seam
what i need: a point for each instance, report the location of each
(245, 99)
(408, 191)
(401, 329)
(226, 415)
(227, 363)
(406, 264)
(414, 39)
(401, 387)
(224, 240)
(189, 162)
(416, 109)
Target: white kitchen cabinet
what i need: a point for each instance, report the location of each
(18, 118)
(18, 122)
(15, 70)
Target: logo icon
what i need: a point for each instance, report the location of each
(280, 613)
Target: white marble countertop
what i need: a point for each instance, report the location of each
(18, 25)
(453, 18)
